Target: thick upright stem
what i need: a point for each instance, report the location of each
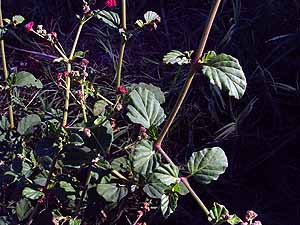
(184, 180)
(5, 73)
(67, 97)
(44, 190)
(191, 74)
(122, 47)
(68, 79)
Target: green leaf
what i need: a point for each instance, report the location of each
(154, 188)
(151, 16)
(79, 54)
(99, 107)
(177, 57)
(145, 160)
(120, 164)
(168, 204)
(111, 192)
(76, 139)
(3, 31)
(167, 174)
(104, 135)
(27, 123)
(234, 219)
(112, 19)
(4, 124)
(207, 165)
(139, 23)
(75, 222)
(225, 72)
(144, 109)
(23, 209)
(17, 19)
(158, 94)
(25, 79)
(66, 186)
(219, 214)
(77, 156)
(31, 193)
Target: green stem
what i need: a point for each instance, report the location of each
(44, 190)
(5, 72)
(67, 97)
(184, 180)
(82, 102)
(84, 191)
(68, 79)
(122, 48)
(191, 74)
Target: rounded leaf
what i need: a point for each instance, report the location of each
(225, 72)
(112, 192)
(144, 108)
(25, 79)
(144, 158)
(177, 57)
(112, 19)
(27, 123)
(207, 165)
(31, 193)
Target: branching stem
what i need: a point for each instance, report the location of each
(5, 73)
(122, 48)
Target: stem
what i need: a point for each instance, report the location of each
(68, 79)
(84, 191)
(5, 72)
(184, 180)
(122, 47)
(67, 98)
(191, 73)
(82, 101)
(44, 190)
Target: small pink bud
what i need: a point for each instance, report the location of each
(110, 3)
(257, 222)
(250, 215)
(243, 223)
(59, 76)
(29, 26)
(87, 132)
(84, 62)
(122, 90)
(143, 129)
(86, 9)
(54, 35)
(119, 107)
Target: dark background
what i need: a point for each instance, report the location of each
(260, 133)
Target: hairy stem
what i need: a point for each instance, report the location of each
(68, 79)
(185, 89)
(191, 74)
(82, 102)
(122, 47)
(5, 73)
(84, 191)
(44, 190)
(184, 180)
(67, 93)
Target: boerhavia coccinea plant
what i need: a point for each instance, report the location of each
(107, 165)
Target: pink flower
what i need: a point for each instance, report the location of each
(87, 132)
(59, 77)
(122, 90)
(111, 3)
(250, 215)
(29, 26)
(84, 62)
(257, 222)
